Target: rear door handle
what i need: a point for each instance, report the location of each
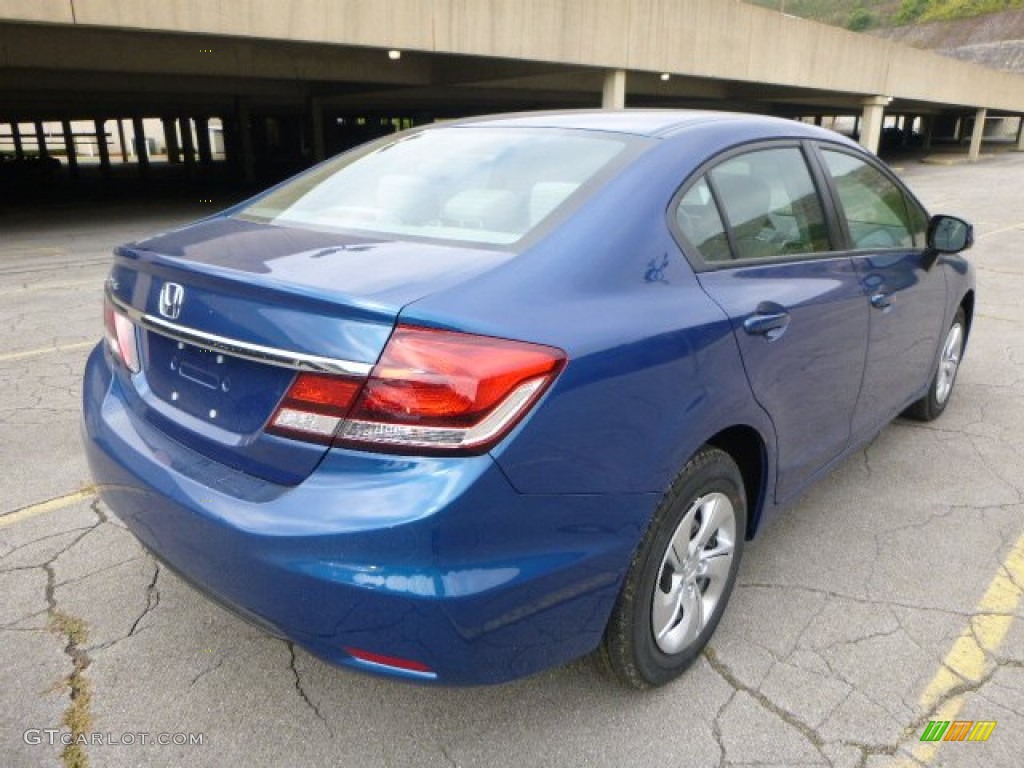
(768, 320)
(881, 300)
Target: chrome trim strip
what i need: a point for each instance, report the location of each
(299, 361)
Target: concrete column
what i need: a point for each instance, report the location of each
(203, 141)
(121, 138)
(1020, 134)
(928, 129)
(316, 110)
(171, 139)
(977, 134)
(141, 150)
(906, 129)
(41, 140)
(101, 145)
(19, 150)
(69, 148)
(613, 95)
(188, 151)
(818, 120)
(229, 128)
(245, 140)
(872, 118)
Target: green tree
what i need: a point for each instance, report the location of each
(861, 19)
(911, 10)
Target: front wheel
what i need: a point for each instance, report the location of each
(682, 574)
(931, 406)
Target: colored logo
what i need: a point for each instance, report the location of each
(958, 730)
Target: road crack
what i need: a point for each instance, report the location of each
(152, 599)
(767, 704)
(212, 668)
(78, 716)
(299, 688)
(74, 631)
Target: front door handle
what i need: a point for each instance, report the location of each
(881, 300)
(768, 320)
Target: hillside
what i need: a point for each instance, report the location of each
(994, 40)
(870, 14)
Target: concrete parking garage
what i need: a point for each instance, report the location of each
(123, 96)
(888, 597)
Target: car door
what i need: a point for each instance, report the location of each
(756, 230)
(885, 227)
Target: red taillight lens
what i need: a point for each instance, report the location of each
(431, 390)
(314, 406)
(449, 391)
(120, 335)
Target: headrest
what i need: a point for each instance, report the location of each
(491, 209)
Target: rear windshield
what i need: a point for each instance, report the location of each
(484, 185)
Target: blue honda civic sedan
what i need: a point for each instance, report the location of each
(483, 397)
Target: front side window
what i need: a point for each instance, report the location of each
(484, 185)
(875, 209)
(772, 206)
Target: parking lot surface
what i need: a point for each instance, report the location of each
(888, 597)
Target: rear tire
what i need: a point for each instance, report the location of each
(931, 406)
(681, 576)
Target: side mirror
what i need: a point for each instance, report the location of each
(948, 234)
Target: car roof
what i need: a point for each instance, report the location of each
(638, 122)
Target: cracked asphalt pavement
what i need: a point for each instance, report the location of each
(889, 596)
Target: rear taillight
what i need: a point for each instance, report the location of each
(120, 335)
(449, 391)
(431, 390)
(314, 406)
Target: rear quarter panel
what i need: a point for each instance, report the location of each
(653, 370)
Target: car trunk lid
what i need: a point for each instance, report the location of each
(228, 311)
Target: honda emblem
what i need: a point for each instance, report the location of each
(172, 296)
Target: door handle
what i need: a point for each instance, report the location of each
(881, 300)
(768, 322)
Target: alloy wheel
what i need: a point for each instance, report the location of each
(693, 573)
(949, 363)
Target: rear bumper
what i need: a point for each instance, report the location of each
(435, 560)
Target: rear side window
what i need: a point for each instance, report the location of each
(876, 210)
(771, 204)
(698, 220)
